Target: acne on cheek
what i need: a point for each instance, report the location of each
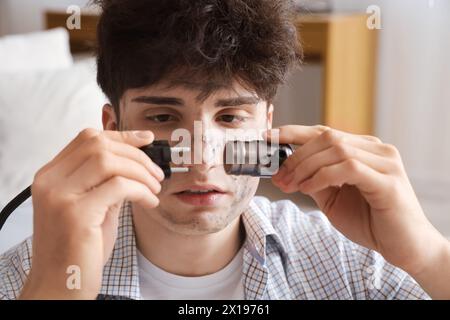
(245, 188)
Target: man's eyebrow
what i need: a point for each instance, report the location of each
(173, 101)
(159, 100)
(237, 101)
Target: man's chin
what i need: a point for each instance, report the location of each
(197, 221)
(190, 219)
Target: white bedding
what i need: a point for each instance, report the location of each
(45, 50)
(40, 112)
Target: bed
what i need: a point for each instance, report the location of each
(47, 95)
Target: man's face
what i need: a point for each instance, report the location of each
(163, 109)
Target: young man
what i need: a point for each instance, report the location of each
(102, 211)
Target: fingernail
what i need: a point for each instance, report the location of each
(143, 134)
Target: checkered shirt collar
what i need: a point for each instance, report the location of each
(121, 273)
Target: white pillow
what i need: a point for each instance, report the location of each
(35, 51)
(40, 112)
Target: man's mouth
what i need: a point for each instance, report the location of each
(198, 191)
(198, 195)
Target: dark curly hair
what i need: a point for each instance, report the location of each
(201, 43)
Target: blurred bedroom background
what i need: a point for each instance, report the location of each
(392, 82)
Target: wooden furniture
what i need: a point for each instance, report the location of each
(347, 49)
(342, 43)
(81, 40)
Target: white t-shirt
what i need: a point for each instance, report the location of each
(226, 284)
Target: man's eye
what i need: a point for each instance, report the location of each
(231, 118)
(161, 118)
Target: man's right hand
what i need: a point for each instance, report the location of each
(76, 202)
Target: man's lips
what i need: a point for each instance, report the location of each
(201, 195)
(200, 188)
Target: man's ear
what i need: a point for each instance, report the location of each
(269, 116)
(109, 117)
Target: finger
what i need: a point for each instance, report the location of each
(331, 138)
(118, 189)
(299, 135)
(104, 166)
(137, 138)
(99, 145)
(333, 155)
(96, 148)
(352, 172)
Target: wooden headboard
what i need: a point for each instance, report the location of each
(81, 40)
(84, 39)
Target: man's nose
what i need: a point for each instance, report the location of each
(207, 147)
(205, 154)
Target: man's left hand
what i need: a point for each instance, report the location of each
(361, 185)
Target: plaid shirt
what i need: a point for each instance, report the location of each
(288, 254)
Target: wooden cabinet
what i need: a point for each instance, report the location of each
(81, 40)
(346, 48)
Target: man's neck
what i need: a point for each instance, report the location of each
(186, 255)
